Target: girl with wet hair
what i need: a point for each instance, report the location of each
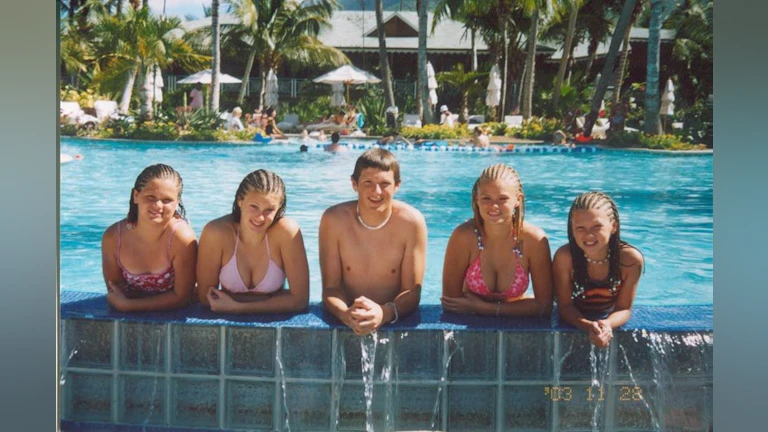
(246, 256)
(596, 273)
(491, 258)
(148, 258)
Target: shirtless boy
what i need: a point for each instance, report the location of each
(373, 249)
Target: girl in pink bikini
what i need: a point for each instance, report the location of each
(251, 252)
(491, 258)
(148, 258)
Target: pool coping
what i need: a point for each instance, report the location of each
(89, 305)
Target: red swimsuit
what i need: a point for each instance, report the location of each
(474, 276)
(148, 283)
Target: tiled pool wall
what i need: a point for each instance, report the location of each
(432, 372)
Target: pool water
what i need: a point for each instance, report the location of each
(665, 201)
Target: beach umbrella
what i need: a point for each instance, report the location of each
(155, 81)
(668, 99)
(337, 97)
(204, 77)
(431, 84)
(347, 75)
(493, 93)
(270, 95)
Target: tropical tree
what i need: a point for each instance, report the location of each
(572, 6)
(659, 12)
(618, 78)
(608, 67)
(275, 31)
(467, 12)
(424, 111)
(536, 9)
(692, 58)
(216, 61)
(468, 83)
(386, 75)
(126, 48)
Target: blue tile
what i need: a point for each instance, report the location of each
(471, 408)
(352, 407)
(351, 350)
(577, 411)
(474, 356)
(309, 406)
(306, 353)
(142, 400)
(142, 346)
(528, 355)
(418, 407)
(88, 344)
(527, 408)
(89, 396)
(195, 402)
(687, 408)
(251, 351)
(250, 405)
(195, 349)
(636, 407)
(418, 355)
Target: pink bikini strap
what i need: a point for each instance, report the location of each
(170, 238)
(118, 240)
(266, 239)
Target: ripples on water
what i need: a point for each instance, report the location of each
(665, 202)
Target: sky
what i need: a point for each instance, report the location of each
(180, 8)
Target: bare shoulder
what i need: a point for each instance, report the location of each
(465, 231)
(533, 232)
(407, 213)
(563, 256)
(111, 232)
(285, 228)
(219, 226)
(339, 212)
(630, 256)
(184, 232)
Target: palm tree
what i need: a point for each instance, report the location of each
(610, 61)
(426, 113)
(468, 12)
(624, 59)
(126, 48)
(216, 62)
(386, 76)
(660, 10)
(573, 12)
(535, 9)
(467, 83)
(280, 30)
(692, 50)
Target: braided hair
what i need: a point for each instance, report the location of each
(501, 172)
(158, 171)
(262, 181)
(596, 200)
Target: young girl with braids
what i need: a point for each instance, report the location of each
(148, 258)
(596, 273)
(251, 251)
(491, 257)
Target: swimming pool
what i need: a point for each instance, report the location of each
(665, 201)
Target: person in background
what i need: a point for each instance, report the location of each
(196, 97)
(446, 118)
(148, 258)
(491, 258)
(234, 123)
(596, 273)
(270, 125)
(251, 251)
(334, 146)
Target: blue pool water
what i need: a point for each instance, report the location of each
(665, 201)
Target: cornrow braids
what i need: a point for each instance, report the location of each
(262, 181)
(501, 172)
(158, 171)
(591, 201)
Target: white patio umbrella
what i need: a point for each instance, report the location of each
(668, 99)
(337, 98)
(431, 84)
(270, 95)
(155, 81)
(347, 75)
(493, 93)
(204, 77)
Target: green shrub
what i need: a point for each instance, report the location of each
(373, 106)
(69, 130)
(697, 123)
(150, 130)
(436, 132)
(495, 128)
(537, 128)
(198, 135)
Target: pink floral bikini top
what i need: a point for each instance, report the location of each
(474, 276)
(148, 283)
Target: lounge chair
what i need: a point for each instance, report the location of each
(71, 113)
(291, 121)
(411, 120)
(474, 121)
(513, 121)
(105, 109)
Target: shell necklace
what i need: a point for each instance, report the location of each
(599, 262)
(357, 210)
